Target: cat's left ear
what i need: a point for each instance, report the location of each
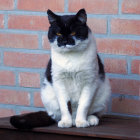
(51, 16)
(82, 16)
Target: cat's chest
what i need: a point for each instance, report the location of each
(72, 62)
(74, 82)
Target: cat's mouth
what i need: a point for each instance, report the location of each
(68, 46)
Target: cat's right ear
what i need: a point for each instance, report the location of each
(82, 16)
(51, 16)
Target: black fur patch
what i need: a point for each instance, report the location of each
(31, 120)
(69, 107)
(48, 72)
(101, 68)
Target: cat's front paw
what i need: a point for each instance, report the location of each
(82, 123)
(65, 123)
(93, 120)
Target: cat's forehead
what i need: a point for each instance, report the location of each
(67, 19)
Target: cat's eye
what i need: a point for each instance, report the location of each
(58, 34)
(73, 33)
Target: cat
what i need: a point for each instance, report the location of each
(75, 90)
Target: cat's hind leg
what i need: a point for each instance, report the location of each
(93, 120)
(49, 100)
(99, 104)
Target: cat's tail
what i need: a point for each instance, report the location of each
(31, 120)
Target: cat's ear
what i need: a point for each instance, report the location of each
(82, 16)
(51, 16)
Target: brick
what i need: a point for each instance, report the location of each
(125, 86)
(26, 111)
(6, 4)
(19, 41)
(28, 79)
(94, 6)
(37, 100)
(126, 106)
(115, 65)
(41, 5)
(14, 97)
(125, 26)
(7, 78)
(97, 25)
(6, 112)
(118, 46)
(135, 67)
(45, 42)
(18, 59)
(131, 6)
(1, 21)
(27, 22)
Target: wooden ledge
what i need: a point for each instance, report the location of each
(111, 127)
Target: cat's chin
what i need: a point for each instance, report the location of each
(67, 48)
(64, 49)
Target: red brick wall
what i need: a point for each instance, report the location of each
(24, 50)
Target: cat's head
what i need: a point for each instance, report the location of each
(68, 32)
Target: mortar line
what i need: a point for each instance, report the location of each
(5, 21)
(20, 107)
(129, 61)
(31, 99)
(40, 41)
(125, 77)
(127, 96)
(36, 13)
(29, 51)
(1, 58)
(22, 69)
(120, 7)
(17, 88)
(66, 6)
(15, 4)
(16, 78)
(108, 26)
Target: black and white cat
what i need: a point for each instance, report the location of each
(75, 90)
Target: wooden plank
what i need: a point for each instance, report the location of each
(7, 134)
(109, 128)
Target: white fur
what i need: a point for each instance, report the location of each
(75, 79)
(93, 120)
